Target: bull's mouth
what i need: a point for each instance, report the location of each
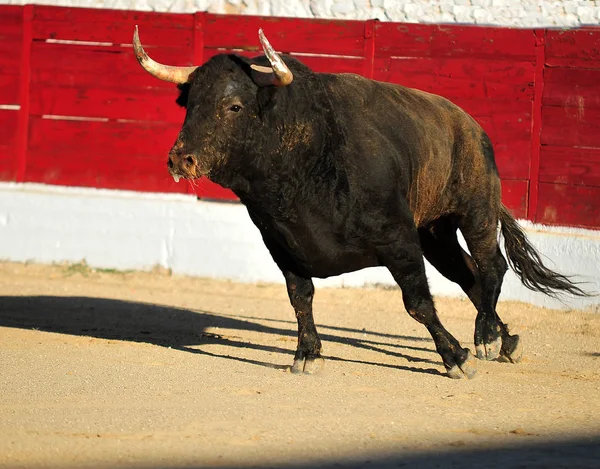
(188, 177)
(187, 168)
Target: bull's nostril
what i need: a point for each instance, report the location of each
(170, 163)
(189, 160)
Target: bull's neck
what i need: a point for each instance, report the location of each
(283, 174)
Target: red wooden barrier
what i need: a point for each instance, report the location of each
(569, 177)
(11, 44)
(77, 109)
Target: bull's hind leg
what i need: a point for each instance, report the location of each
(492, 338)
(405, 262)
(308, 353)
(442, 249)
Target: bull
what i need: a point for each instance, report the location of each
(339, 173)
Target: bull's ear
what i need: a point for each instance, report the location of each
(184, 92)
(262, 76)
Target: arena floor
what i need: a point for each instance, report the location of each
(149, 370)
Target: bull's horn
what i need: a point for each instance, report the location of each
(283, 75)
(162, 72)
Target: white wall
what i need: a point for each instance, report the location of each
(128, 230)
(518, 13)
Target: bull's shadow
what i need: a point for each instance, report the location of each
(187, 330)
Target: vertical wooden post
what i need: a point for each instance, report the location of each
(199, 18)
(369, 55)
(536, 122)
(24, 92)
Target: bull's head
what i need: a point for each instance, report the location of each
(221, 105)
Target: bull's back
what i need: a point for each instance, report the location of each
(436, 151)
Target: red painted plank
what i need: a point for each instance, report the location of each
(113, 155)
(578, 127)
(112, 26)
(113, 103)
(573, 48)
(10, 53)
(421, 40)
(11, 21)
(574, 166)
(285, 34)
(561, 204)
(9, 88)
(470, 78)
(8, 145)
(572, 87)
(77, 137)
(11, 37)
(514, 196)
(113, 66)
(332, 64)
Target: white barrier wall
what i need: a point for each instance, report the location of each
(517, 13)
(128, 230)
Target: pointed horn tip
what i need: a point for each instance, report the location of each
(136, 38)
(140, 53)
(261, 36)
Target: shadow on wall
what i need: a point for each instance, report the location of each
(187, 330)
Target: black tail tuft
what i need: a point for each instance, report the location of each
(527, 263)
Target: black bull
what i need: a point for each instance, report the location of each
(340, 173)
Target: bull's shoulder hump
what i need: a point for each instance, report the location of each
(357, 92)
(352, 81)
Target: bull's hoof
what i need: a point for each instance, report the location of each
(310, 364)
(466, 369)
(489, 351)
(512, 349)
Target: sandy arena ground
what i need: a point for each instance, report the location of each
(148, 370)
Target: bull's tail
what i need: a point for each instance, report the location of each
(527, 263)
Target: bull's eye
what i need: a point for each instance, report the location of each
(235, 108)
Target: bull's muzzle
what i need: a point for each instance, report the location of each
(183, 166)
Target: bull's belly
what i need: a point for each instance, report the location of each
(323, 264)
(318, 247)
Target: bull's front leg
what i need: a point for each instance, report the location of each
(308, 353)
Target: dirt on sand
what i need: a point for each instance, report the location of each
(148, 370)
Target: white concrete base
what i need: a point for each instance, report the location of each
(128, 230)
